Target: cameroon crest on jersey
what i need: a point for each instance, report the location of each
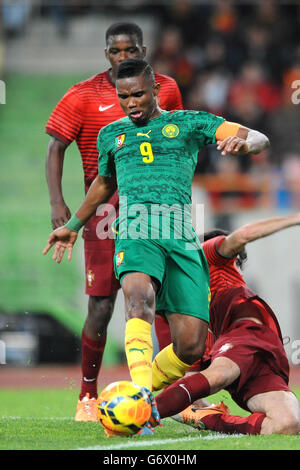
(120, 140)
(171, 131)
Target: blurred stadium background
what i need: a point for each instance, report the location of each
(238, 59)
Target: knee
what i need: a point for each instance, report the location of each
(100, 309)
(189, 352)
(284, 424)
(140, 302)
(288, 425)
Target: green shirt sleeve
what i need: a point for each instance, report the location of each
(106, 163)
(205, 126)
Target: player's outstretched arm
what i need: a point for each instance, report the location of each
(99, 192)
(234, 139)
(237, 240)
(64, 237)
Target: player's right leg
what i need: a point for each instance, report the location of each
(281, 409)
(140, 265)
(139, 296)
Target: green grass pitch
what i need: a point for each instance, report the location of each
(42, 419)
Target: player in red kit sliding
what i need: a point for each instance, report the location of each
(85, 109)
(247, 357)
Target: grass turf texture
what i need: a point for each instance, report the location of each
(44, 420)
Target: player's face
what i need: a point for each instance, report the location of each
(122, 47)
(137, 97)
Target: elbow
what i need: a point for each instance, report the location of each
(245, 235)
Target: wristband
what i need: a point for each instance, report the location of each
(74, 224)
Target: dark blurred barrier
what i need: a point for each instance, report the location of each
(31, 339)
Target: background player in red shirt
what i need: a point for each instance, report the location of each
(248, 357)
(80, 114)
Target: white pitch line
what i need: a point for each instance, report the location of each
(152, 442)
(41, 418)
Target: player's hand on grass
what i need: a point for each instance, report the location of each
(233, 146)
(63, 239)
(60, 214)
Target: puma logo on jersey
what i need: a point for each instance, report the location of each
(141, 134)
(138, 349)
(104, 108)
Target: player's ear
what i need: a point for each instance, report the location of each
(106, 53)
(156, 89)
(144, 51)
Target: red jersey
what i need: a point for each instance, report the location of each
(92, 104)
(229, 290)
(222, 271)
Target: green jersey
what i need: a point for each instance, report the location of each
(156, 163)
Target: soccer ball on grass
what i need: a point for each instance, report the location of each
(123, 408)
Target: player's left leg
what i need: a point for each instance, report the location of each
(281, 409)
(100, 310)
(188, 336)
(102, 288)
(93, 342)
(184, 298)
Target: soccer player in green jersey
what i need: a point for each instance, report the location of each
(151, 155)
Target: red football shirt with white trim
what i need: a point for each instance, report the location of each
(229, 290)
(223, 271)
(92, 104)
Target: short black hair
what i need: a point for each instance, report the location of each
(135, 67)
(131, 29)
(216, 232)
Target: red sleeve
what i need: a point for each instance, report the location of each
(176, 98)
(66, 119)
(169, 96)
(212, 255)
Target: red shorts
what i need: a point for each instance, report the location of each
(99, 249)
(260, 355)
(99, 268)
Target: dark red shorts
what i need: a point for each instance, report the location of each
(99, 249)
(259, 353)
(99, 268)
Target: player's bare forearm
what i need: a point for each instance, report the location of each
(54, 169)
(99, 192)
(60, 213)
(237, 240)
